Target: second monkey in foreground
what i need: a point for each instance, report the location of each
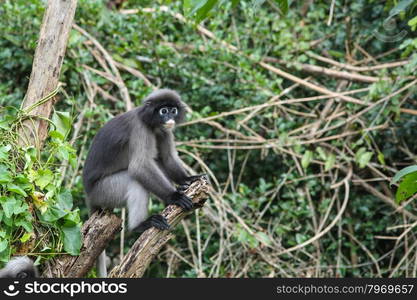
(133, 155)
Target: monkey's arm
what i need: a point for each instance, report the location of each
(153, 179)
(172, 165)
(173, 168)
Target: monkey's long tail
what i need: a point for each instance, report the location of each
(101, 265)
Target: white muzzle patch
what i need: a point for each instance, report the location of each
(170, 124)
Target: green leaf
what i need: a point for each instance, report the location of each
(300, 238)
(53, 214)
(401, 6)
(25, 237)
(322, 154)
(73, 161)
(30, 157)
(190, 7)
(200, 8)
(63, 153)
(5, 176)
(307, 158)
(64, 200)
(407, 187)
(57, 135)
(283, 6)
(62, 121)
(8, 220)
(403, 172)
(412, 22)
(263, 237)
(74, 39)
(16, 189)
(26, 223)
(4, 124)
(245, 237)
(72, 219)
(5, 256)
(337, 54)
(331, 159)
(21, 179)
(381, 158)
(203, 11)
(363, 157)
(43, 178)
(9, 206)
(4, 150)
(234, 2)
(72, 239)
(20, 207)
(3, 245)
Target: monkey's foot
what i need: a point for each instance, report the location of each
(181, 200)
(156, 221)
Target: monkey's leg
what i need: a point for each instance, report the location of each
(109, 192)
(137, 204)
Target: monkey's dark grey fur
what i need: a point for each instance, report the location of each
(133, 155)
(19, 267)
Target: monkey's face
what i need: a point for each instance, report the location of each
(162, 113)
(167, 116)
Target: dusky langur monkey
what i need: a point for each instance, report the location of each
(133, 155)
(19, 267)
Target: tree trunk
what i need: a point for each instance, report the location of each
(46, 68)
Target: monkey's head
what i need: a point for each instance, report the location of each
(19, 267)
(163, 109)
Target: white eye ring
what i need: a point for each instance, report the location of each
(163, 111)
(174, 110)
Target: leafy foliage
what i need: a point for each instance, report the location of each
(200, 9)
(37, 214)
(408, 184)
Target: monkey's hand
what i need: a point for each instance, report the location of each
(189, 180)
(181, 200)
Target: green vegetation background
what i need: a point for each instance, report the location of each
(265, 198)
